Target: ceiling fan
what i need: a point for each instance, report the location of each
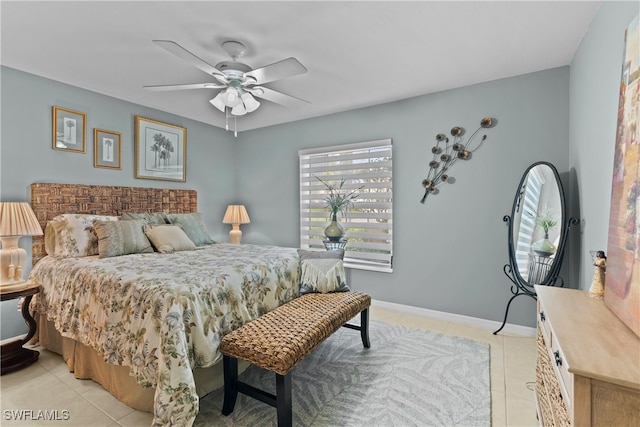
(238, 83)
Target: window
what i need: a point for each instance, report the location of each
(369, 224)
(530, 205)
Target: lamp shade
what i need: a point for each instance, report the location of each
(18, 219)
(217, 102)
(250, 103)
(239, 110)
(236, 214)
(231, 97)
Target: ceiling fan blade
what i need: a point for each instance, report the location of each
(182, 53)
(275, 96)
(286, 68)
(161, 88)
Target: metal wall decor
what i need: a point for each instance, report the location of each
(447, 152)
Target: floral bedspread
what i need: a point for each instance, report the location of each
(164, 314)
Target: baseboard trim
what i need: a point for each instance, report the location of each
(456, 318)
(16, 338)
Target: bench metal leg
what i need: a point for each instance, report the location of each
(283, 400)
(364, 327)
(230, 365)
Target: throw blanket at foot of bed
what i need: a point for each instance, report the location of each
(279, 339)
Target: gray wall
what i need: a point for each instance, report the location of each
(595, 82)
(449, 252)
(27, 157)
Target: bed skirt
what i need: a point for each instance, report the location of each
(86, 363)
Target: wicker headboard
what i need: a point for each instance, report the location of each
(49, 200)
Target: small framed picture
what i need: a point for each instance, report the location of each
(107, 149)
(69, 129)
(160, 150)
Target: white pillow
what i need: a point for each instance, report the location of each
(73, 235)
(168, 238)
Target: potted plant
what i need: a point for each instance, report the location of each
(544, 247)
(337, 200)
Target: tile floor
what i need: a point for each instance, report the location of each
(47, 384)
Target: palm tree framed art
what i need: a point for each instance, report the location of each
(160, 150)
(69, 129)
(107, 149)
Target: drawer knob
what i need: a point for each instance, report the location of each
(556, 355)
(542, 316)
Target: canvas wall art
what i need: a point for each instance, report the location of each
(622, 283)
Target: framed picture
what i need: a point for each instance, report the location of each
(107, 149)
(69, 129)
(160, 150)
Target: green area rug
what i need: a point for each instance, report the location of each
(409, 377)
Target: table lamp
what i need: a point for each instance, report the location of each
(235, 215)
(16, 220)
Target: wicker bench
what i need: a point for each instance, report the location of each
(279, 339)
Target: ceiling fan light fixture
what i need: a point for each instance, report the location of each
(239, 110)
(230, 97)
(218, 102)
(250, 103)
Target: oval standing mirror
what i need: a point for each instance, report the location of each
(537, 232)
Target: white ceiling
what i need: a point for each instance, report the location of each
(358, 53)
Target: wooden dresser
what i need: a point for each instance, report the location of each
(588, 363)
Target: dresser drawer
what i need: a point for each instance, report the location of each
(558, 361)
(543, 324)
(565, 378)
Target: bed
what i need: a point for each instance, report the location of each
(144, 325)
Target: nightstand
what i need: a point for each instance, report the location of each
(14, 355)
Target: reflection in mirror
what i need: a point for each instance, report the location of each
(537, 232)
(536, 223)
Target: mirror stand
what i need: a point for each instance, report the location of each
(549, 272)
(538, 227)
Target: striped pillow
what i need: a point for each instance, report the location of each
(117, 238)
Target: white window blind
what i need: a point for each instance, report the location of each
(529, 207)
(369, 224)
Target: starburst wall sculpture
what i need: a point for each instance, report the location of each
(446, 153)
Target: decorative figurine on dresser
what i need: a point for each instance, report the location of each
(597, 284)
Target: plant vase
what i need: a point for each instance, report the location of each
(544, 247)
(334, 230)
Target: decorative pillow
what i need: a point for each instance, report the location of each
(168, 238)
(322, 271)
(194, 227)
(50, 239)
(150, 218)
(73, 235)
(117, 238)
